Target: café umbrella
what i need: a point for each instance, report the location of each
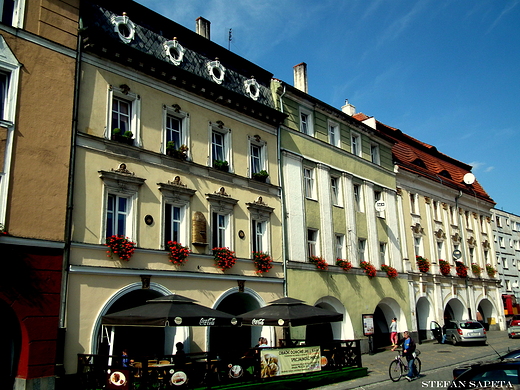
(170, 310)
(289, 312)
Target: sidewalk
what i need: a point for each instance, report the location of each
(433, 355)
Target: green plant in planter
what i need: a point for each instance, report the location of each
(173, 151)
(261, 176)
(128, 134)
(170, 146)
(116, 131)
(221, 165)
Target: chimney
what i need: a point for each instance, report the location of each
(300, 77)
(202, 27)
(348, 108)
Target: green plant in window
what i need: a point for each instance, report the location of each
(261, 176)
(221, 165)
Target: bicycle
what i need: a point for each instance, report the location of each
(399, 368)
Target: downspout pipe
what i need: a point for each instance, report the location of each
(284, 231)
(70, 207)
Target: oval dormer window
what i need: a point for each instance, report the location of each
(216, 71)
(174, 51)
(252, 88)
(124, 27)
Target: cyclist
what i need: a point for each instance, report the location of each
(408, 352)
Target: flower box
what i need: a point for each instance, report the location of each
(262, 262)
(319, 262)
(461, 270)
(368, 269)
(422, 263)
(445, 267)
(224, 258)
(120, 246)
(344, 264)
(391, 272)
(178, 254)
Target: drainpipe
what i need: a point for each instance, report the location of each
(284, 255)
(68, 216)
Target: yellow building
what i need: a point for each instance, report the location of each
(176, 142)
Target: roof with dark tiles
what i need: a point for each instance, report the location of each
(423, 159)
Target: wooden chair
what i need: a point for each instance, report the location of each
(138, 368)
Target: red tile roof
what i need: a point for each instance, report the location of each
(425, 160)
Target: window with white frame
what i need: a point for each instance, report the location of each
(220, 146)
(413, 203)
(440, 250)
(257, 156)
(12, 12)
(221, 211)
(508, 284)
(121, 189)
(260, 214)
(383, 253)
(471, 255)
(124, 111)
(417, 244)
(306, 122)
(176, 129)
(312, 242)
(501, 242)
(374, 154)
(308, 181)
(498, 221)
(435, 210)
(335, 190)
(362, 243)
(176, 200)
(504, 263)
(358, 197)
(334, 135)
(340, 246)
(355, 144)
(453, 216)
(9, 74)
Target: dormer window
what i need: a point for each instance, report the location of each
(174, 51)
(216, 71)
(124, 27)
(252, 88)
(445, 173)
(419, 163)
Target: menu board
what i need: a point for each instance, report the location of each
(286, 361)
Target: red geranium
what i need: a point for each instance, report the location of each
(224, 258)
(319, 262)
(422, 263)
(368, 268)
(120, 246)
(461, 269)
(178, 253)
(262, 262)
(345, 264)
(390, 271)
(445, 267)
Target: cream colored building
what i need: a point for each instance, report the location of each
(163, 89)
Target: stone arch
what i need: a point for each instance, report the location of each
(455, 309)
(341, 330)
(425, 313)
(386, 309)
(487, 313)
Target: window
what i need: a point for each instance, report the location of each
(340, 246)
(413, 203)
(440, 250)
(11, 12)
(334, 136)
(4, 88)
(121, 189)
(358, 199)
(361, 249)
(335, 191)
(501, 242)
(220, 231)
(176, 123)
(355, 144)
(471, 255)
(258, 230)
(498, 221)
(312, 242)
(173, 218)
(382, 252)
(435, 210)
(308, 179)
(504, 263)
(124, 113)
(306, 126)
(374, 154)
(118, 210)
(453, 216)
(221, 212)
(417, 244)
(257, 156)
(220, 147)
(176, 198)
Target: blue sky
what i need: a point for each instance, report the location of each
(446, 72)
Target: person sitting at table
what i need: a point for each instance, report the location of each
(180, 355)
(264, 343)
(125, 360)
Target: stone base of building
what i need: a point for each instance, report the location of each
(47, 383)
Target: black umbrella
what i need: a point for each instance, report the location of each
(170, 310)
(289, 311)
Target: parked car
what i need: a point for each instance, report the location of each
(515, 321)
(465, 331)
(481, 375)
(513, 331)
(515, 354)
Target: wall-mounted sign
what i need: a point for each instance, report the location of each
(380, 205)
(368, 324)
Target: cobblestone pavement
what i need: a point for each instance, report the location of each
(433, 356)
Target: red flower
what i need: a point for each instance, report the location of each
(120, 246)
(491, 271)
(319, 262)
(422, 263)
(345, 264)
(476, 269)
(461, 269)
(445, 267)
(390, 271)
(178, 253)
(224, 258)
(262, 262)
(368, 269)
